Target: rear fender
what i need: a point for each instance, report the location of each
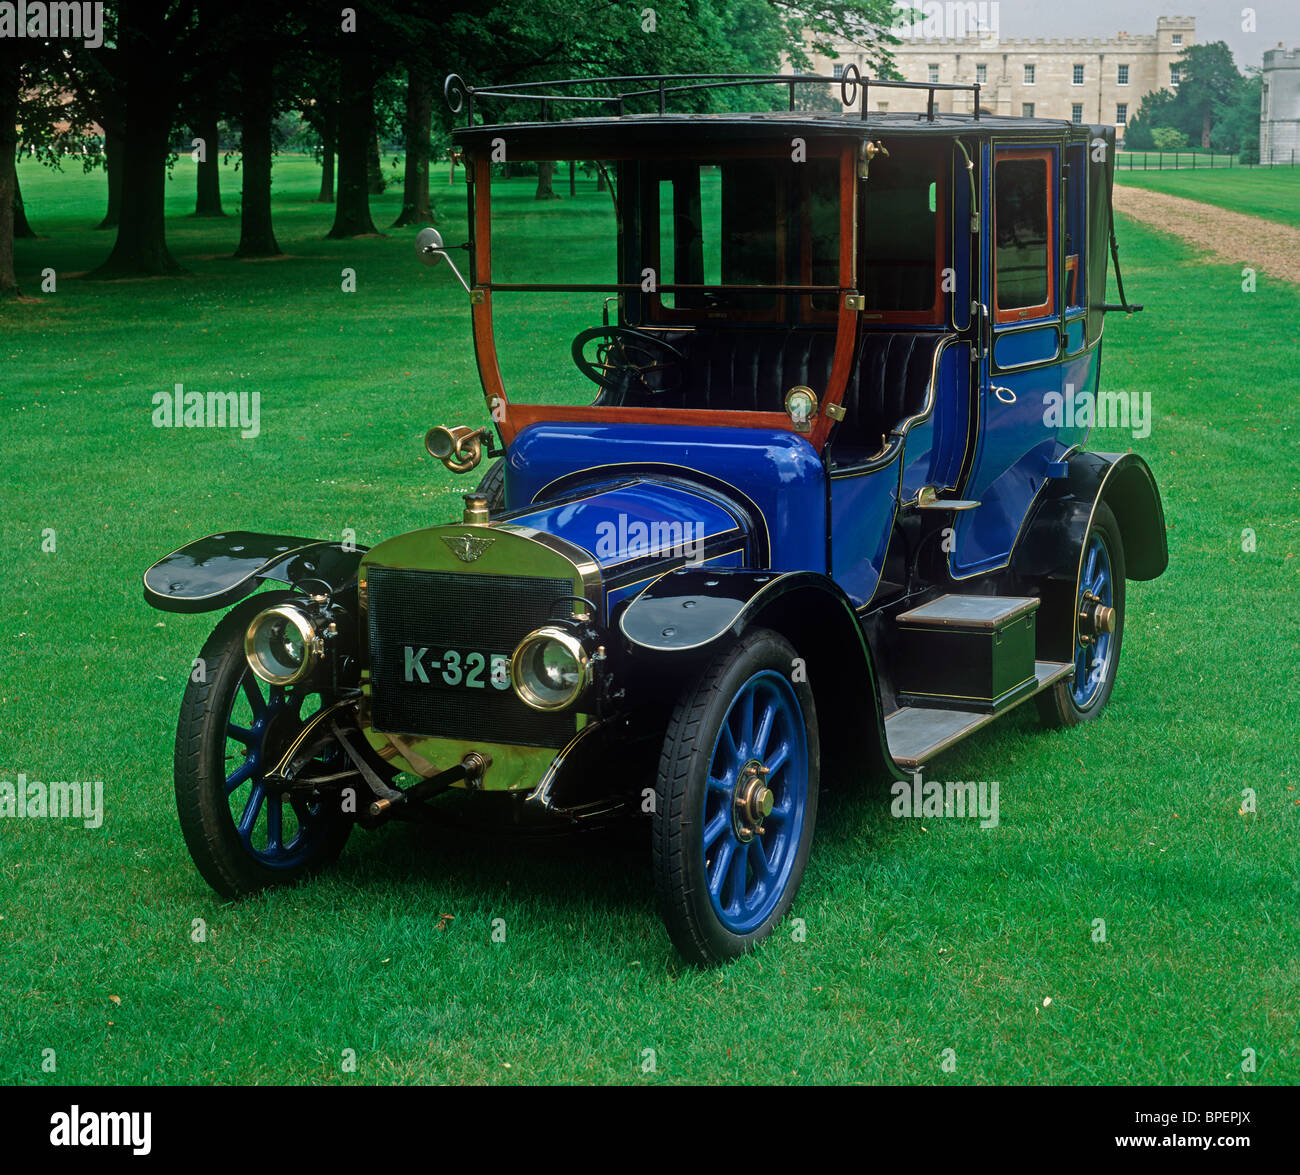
(1047, 556)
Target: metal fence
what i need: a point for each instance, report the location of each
(1184, 160)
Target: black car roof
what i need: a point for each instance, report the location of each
(666, 127)
(649, 130)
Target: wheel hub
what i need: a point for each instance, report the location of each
(752, 801)
(1095, 618)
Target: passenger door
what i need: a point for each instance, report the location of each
(1020, 372)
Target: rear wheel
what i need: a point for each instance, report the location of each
(1099, 628)
(243, 834)
(736, 800)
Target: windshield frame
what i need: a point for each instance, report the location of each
(511, 417)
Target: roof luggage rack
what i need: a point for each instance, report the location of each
(662, 86)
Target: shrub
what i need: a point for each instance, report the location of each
(1168, 138)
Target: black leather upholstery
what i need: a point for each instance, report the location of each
(751, 371)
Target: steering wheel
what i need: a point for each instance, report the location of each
(627, 356)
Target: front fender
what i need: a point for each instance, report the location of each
(221, 569)
(693, 610)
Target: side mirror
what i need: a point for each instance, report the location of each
(430, 250)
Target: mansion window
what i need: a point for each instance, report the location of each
(1029, 75)
(1122, 79)
(1078, 75)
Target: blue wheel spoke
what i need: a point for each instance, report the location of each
(720, 786)
(239, 775)
(764, 731)
(253, 693)
(720, 865)
(241, 734)
(251, 809)
(716, 827)
(747, 724)
(758, 859)
(778, 760)
(727, 744)
(736, 876)
(780, 814)
(274, 823)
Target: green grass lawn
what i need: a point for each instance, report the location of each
(921, 936)
(1273, 193)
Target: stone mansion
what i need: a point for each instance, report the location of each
(1095, 80)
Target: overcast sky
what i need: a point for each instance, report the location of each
(1216, 20)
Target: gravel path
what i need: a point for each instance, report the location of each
(1231, 237)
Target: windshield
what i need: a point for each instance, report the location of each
(648, 257)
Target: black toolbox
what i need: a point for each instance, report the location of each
(967, 652)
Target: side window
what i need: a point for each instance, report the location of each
(1024, 244)
(903, 235)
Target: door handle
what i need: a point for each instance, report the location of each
(1006, 395)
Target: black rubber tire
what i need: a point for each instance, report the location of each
(493, 486)
(201, 803)
(1056, 705)
(677, 855)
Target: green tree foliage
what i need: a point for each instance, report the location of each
(1236, 121)
(1209, 82)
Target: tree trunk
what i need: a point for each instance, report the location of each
(355, 136)
(546, 181)
(327, 173)
(22, 230)
(416, 208)
(573, 183)
(601, 185)
(141, 246)
(375, 184)
(8, 170)
(1205, 132)
(207, 201)
(113, 169)
(256, 234)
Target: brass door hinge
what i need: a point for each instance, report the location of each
(834, 411)
(855, 301)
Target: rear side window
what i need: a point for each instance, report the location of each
(1023, 227)
(903, 234)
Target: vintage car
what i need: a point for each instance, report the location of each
(813, 517)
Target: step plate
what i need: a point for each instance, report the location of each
(916, 734)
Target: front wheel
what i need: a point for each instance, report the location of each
(243, 834)
(736, 800)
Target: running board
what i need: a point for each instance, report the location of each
(917, 733)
